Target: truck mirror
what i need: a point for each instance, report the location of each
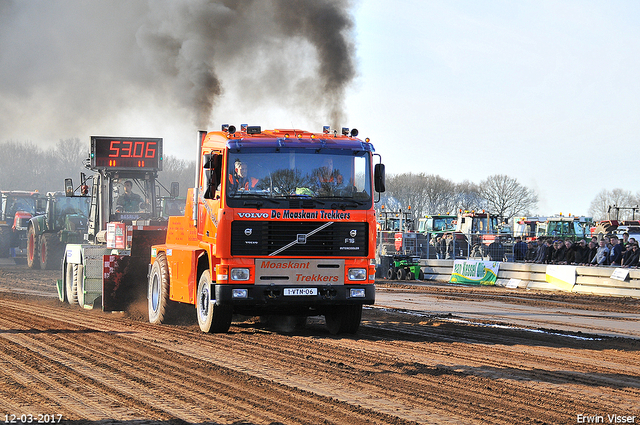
(378, 177)
(175, 189)
(68, 187)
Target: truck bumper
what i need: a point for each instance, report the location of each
(272, 298)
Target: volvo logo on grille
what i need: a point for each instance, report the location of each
(302, 238)
(248, 231)
(353, 233)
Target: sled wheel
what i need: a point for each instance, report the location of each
(158, 291)
(74, 276)
(401, 274)
(391, 274)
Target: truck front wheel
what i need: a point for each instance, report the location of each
(211, 317)
(158, 291)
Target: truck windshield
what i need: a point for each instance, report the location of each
(325, 178)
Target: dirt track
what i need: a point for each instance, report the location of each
(92, 366)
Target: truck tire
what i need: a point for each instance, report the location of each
(343, 319)
(5, 241)
(212, 318)
(49, 251)
(71, 284)
(158, 291)
(421, 275)
(32, 249)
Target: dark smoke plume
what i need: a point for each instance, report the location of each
(70, 66)
(188, 41)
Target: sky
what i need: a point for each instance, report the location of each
(547, 92)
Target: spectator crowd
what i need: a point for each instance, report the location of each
(608, 251)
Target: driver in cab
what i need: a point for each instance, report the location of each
(129, 201)
(240, 180)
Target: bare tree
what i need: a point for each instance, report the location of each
(505, 197)
(425, 194)
(177, 170)
(468, 196)
(603, 206)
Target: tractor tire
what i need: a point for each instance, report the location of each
(401, 274)
(50, 254)
(158, 291)
(391, 273)
(32, 249)
(212, 318)
(5, 241)
(343, 319)
(71, 284)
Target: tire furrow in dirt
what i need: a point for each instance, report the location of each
(265, 403)
(397, 369)
(431, 383)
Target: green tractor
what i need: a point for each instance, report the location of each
(64, 221)
(405, 267)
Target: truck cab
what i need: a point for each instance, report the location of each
(279, 222)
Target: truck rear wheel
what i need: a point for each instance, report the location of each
(158, 291)
(343, 319)
(32, 249)
(71, 284)
(49, 251)
(211, 317)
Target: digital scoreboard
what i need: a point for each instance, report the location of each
(126, 153)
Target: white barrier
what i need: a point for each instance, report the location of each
(588, 280)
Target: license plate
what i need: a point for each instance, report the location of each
(300, 291)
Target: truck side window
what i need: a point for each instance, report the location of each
(213, 173)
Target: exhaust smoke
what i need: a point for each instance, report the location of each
(72, 67)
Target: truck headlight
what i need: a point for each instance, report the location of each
(239, 274)
(357, 274)
(357, 293)
(239, 293)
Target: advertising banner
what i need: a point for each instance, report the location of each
(561, 276)
(475, 272)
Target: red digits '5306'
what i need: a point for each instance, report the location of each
(132, 149)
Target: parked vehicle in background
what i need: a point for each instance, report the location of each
(565, 227)
(18, 206)
(64, 221)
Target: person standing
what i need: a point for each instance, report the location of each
(519, 249)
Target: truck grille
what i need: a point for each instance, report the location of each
(263, 238)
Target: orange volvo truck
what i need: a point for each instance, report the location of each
(280, 222)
